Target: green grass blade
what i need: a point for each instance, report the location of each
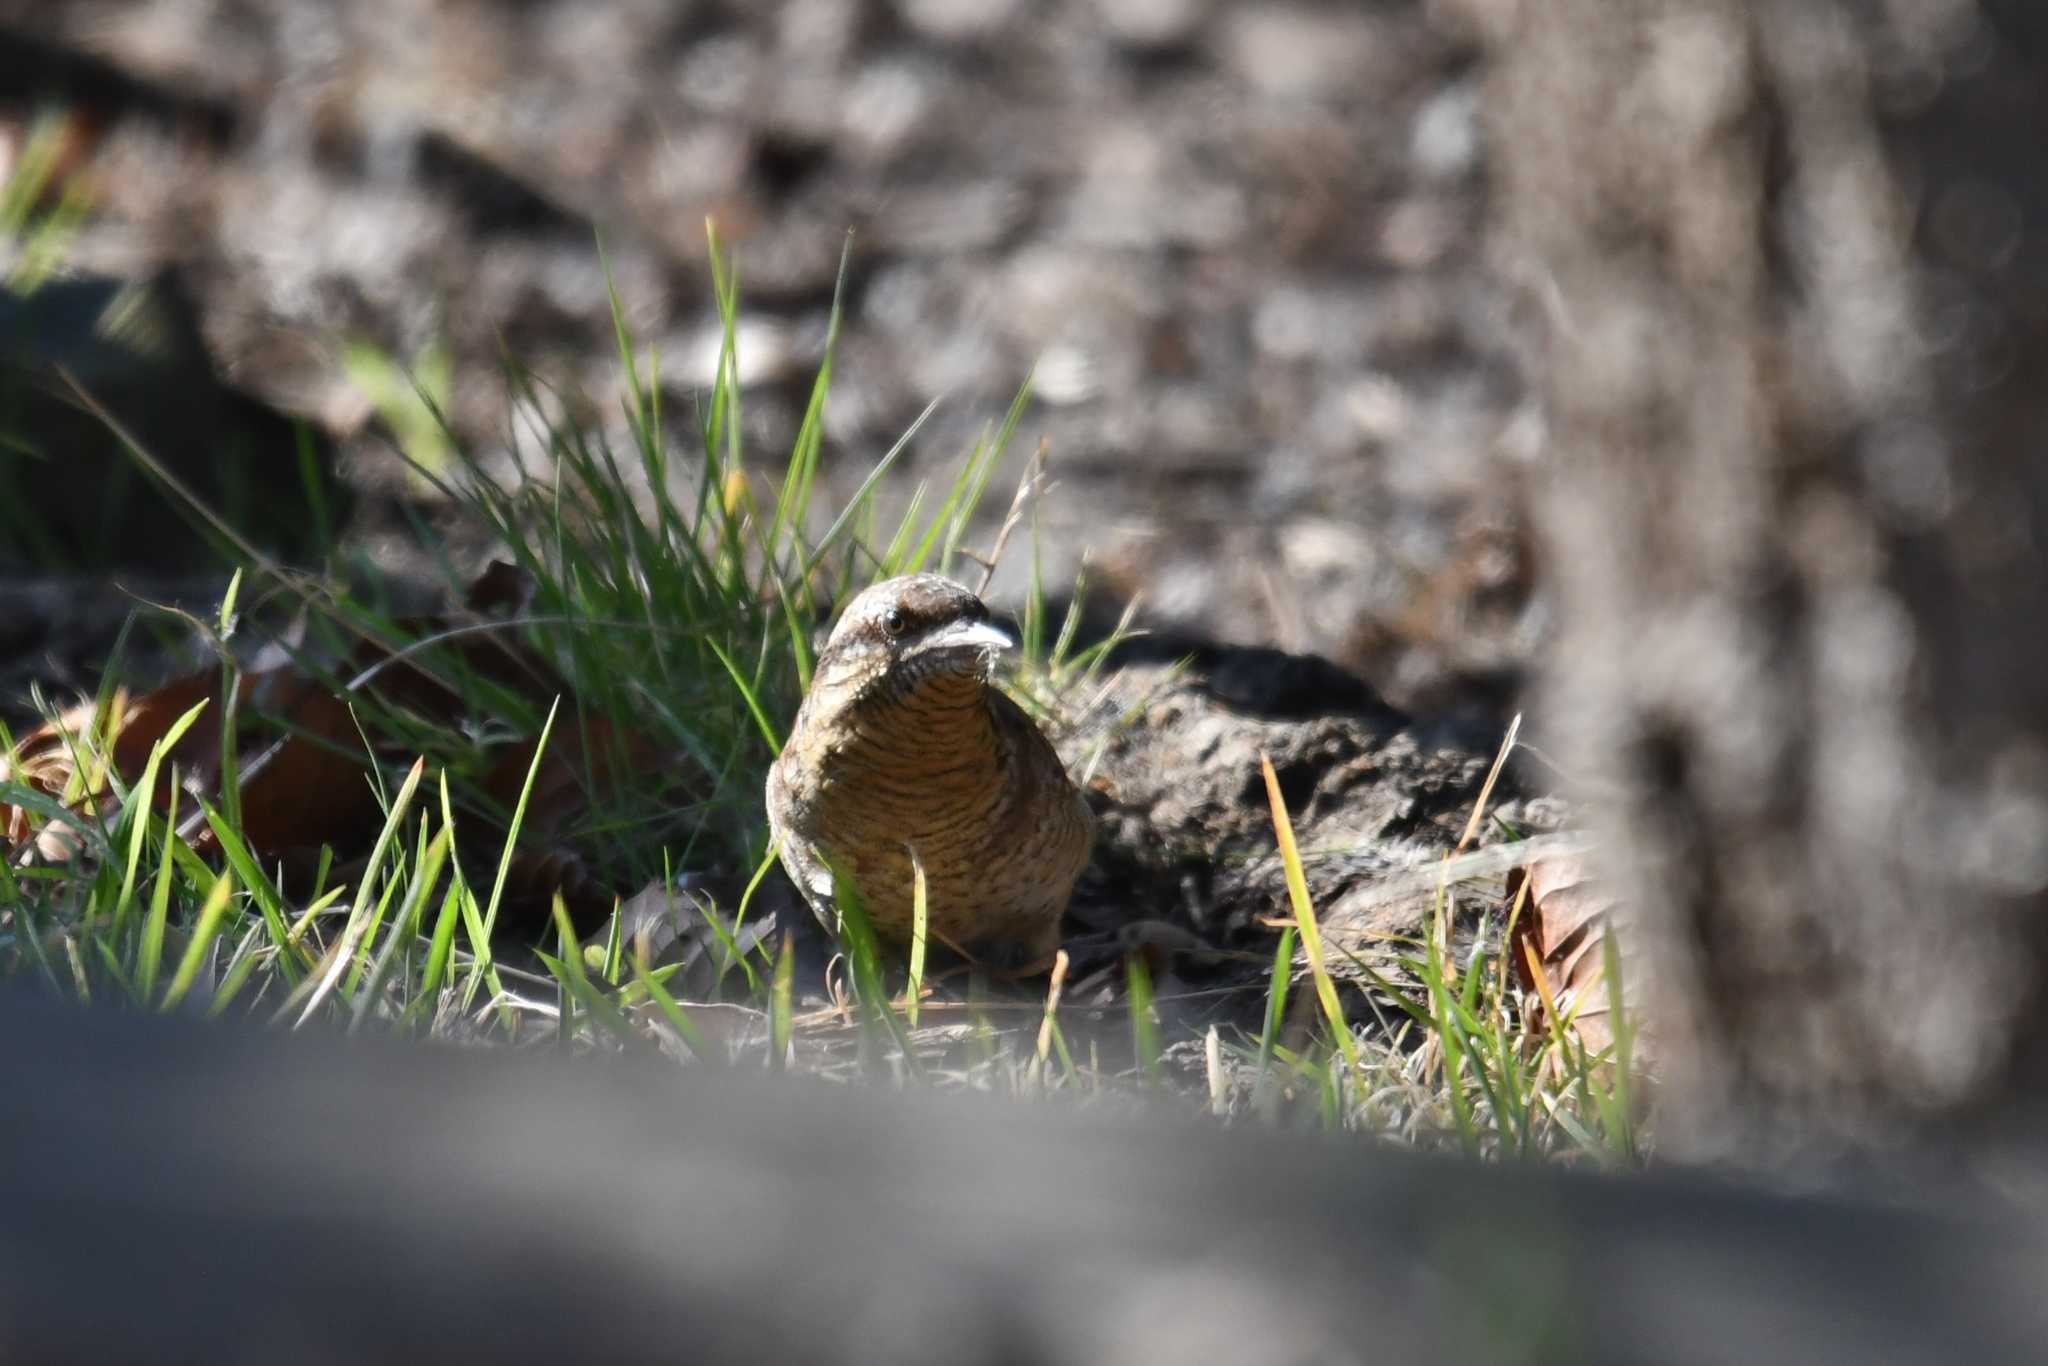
(405, 931)
(240, 968)
(135, 815)
(1276, 997)
(340, 957)
(980, 471)
(860, 495)
(149, 955)
(1305, 918)
(1622, 1131)
(678, 1019)
(794, 502)
(612, 948)
(1144, 1020)
(481, 936)
(781, 1005)
(569, 972)
(30, 936)
(203, 935)
(864, 955)
(291, 958)
(231, 696)
(442, 946)
(748, 694)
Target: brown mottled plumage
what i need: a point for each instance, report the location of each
(902, 743)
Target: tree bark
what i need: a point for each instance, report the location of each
(1785, 268)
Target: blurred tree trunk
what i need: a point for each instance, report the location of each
(1785, 268)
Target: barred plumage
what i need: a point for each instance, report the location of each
(904, 743)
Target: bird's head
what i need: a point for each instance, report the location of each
(909, 631)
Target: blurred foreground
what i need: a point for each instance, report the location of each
(175, 1193)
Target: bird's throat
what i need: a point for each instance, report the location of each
(943, 715)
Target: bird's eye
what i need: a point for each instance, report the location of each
(892, 622)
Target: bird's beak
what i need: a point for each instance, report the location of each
(968, 635)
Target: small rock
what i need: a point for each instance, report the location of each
(721, 74)
(1153, 23)
(1378, 407)
(885, 106)
(1444, 143)
(1417, 232)
(955, 21)
(1294, 52)
(1313, 320)
(819, 33)
(707, 161)
(1064, 375)
(953, 217)
(1285, 325)
(760, 346)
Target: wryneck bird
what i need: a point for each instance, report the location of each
(905, 748)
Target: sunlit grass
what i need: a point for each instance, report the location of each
(677, 589)
(1462, 1063)
(678, 585)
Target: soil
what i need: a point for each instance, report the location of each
(1239, 244)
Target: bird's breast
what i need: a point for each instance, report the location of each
(953, 771)
(929, 752)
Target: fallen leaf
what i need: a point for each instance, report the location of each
(301, 761)
(1558, 948)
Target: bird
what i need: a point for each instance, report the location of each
(903, 751)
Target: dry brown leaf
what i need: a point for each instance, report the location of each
(306, 788)
(46, 759)
(1558, 947)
